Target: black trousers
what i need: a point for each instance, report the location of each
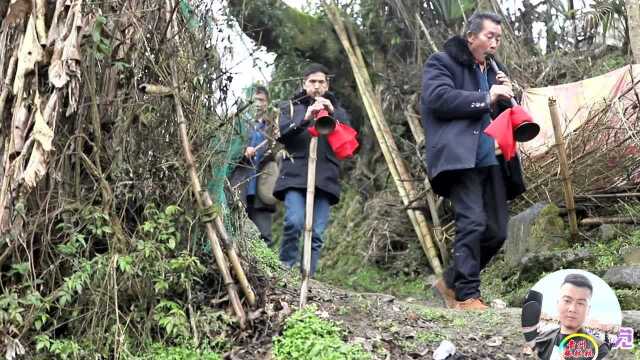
(481, 213)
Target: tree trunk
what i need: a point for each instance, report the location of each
(633, 14)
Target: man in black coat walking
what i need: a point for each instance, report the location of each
(295, 117)
(460, 96)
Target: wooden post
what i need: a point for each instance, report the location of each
(308, 219)
(397, 167)
(564, 168)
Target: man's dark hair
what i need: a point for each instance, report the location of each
(315, 68)
(259, 89)
(476, 21)
(578, 280)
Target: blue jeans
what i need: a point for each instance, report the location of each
(294, 216)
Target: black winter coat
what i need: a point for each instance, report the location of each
(295, 138)
(452, 107)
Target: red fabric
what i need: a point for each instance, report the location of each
(501, 129)
(342, 140)
(313, 132)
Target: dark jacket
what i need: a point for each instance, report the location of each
(452, 108)
(546, 341)
(295, 138)
(245, 174)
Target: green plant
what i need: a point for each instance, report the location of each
(429, 337)
(306, 336)
(172, 318)
(101, 45)
(434, 315)
(62, 349)
(160, 352)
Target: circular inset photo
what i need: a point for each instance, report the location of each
(571, 314)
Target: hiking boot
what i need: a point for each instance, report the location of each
(471, 304)
(447, 295)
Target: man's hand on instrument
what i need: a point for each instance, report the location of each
(316, 106)
(500, 92)
(503, 79)
(326, 103)
(250, 152)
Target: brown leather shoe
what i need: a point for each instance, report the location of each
(445, 293)
(471, 304)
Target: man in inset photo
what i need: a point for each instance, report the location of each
(574, 304)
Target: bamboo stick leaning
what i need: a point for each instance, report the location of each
(200, 195)
(397, 167)
(203, 199)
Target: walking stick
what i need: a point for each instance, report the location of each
(308, 221)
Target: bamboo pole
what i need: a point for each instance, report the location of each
(308, 220)
(609, 220)
(464, 17)
(406, 183)
(215, 230)
(426, 32)
(564, 168)
(438, 234)
(415, 126)
(607, 196)
(232, 252)
(389, 149)
(198, 192)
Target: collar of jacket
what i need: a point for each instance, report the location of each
(458, 49)
(301, 98)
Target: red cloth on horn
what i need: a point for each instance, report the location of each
(502, 129)
(312, 131)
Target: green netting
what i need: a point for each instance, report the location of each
(227, 149)
(188, 14)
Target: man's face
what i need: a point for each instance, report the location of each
(316, 84)
(260, 101)
(486, 41)
(573, 306)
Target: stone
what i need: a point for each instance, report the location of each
(629, 299)
(631, 255)
(631, 318)
(532, 265)
(607, 232)
(498, 304)
(539, 228)
(623, 277)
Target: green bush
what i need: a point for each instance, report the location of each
(308, 337)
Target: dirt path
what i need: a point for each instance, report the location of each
(392, 329)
